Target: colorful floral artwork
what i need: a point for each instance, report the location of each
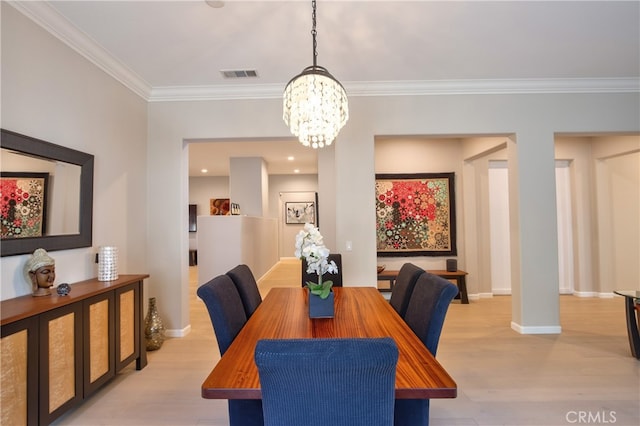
(415, 215)
(22, 204)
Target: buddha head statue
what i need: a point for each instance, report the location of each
(40, 272)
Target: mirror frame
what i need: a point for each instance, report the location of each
(36, 147)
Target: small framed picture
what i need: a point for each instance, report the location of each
(300, 212)
(219, 206)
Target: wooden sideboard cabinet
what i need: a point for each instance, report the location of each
(58, 350)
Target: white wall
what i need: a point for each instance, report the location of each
(499, 239)
(249, 184)
(288, 183)
(201, 191)
(228, 241)
(624, 231)
(605, 176)
(52, 93)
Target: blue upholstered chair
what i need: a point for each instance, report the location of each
(425, 314)
(403, 287)
(247, 286)
(336, 278)
(327, 382)
(228, 316)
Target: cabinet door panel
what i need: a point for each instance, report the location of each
(60, 361)
(128, 325)
(99, 345)
(62, 379)
(18, 381)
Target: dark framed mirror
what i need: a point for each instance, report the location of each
(47, 196)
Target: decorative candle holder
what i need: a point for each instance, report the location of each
(107, 263)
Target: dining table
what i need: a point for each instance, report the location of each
(360, 312)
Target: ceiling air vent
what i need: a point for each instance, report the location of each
(239, 73)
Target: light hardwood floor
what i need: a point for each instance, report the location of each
(585, 375)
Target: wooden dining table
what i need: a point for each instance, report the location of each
(359, 312)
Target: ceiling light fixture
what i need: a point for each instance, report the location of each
(315, 105)
(214, 4)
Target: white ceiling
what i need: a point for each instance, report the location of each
(166, 50)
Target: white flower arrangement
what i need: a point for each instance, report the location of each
(310, 247)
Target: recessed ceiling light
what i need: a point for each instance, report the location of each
(204, 170)
(290, 158)
(296, 171)
(214, 4)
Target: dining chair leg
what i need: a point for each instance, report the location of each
(245, 412)
(411, 412)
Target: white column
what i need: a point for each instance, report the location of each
(249, 185)
(534, 241)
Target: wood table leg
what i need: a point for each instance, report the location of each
(462, 288)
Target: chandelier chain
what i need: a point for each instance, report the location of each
(314, 33)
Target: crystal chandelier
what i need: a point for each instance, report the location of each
(315, 104)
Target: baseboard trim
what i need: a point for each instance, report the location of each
(259, 280)
(481, 296)
(585, 293)
(603, 295)
(549, 329)
(177, 332)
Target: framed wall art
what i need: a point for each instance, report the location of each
(415, 215)
(219, 206)
(300, 212)
(23, 204)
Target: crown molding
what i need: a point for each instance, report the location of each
(408, 88)
(495, 87)
(216, 93)
(51, 20)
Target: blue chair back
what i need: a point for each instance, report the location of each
(403, 287)
(428, 307)
(425, 314)
(336, 278)
(225, 309)
(228, 316)
(321, 382)
(247, 286)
